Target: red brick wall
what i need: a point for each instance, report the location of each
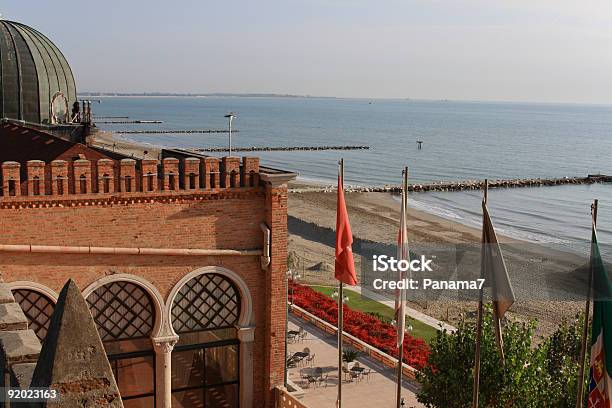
(224, 221)
(276, 287)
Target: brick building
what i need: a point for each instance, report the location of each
(182, 260)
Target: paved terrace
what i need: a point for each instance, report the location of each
(378, 391)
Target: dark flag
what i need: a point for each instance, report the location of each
(496, 275)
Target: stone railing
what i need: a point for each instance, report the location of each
(384, 358)
(105, 176)
(285, 400)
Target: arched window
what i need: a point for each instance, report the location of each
(60, 185)
(128, 184)
(106, 183)
(83, 184)
(149, 181)
(36, 185)
(12, 187)
(234, 179)
(205, 362)
(207, 302)
(37, 307)
(125, 316)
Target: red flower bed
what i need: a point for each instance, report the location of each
(361, 325)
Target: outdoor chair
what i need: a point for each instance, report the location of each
(347, 374)
(366, 373)
(310, 359)
(302, 336)
(312, 380)
(323, 379)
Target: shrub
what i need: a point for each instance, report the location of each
(349, 355)
(542, 376)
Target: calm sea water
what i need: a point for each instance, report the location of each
(461, 140)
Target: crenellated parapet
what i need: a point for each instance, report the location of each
(61, 178)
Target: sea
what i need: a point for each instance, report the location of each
(460, 141)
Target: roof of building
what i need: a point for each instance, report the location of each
(34, 71)
(20, 144)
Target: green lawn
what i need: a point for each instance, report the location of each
(363, 304)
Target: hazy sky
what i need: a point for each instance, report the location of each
(530, 50)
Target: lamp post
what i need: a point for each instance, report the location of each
(230, 116)
(293, 277)
(334, 296)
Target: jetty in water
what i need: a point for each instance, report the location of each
(279, 148)
(464, 185)
(118, 122)
(163, 132)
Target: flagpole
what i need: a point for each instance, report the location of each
(340, 314)
(401, 345)
(587, 309)
(476, 385)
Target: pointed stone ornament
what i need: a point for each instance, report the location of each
(72, 360)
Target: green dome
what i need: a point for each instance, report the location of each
(33, 75)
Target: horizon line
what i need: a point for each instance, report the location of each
(306, 96)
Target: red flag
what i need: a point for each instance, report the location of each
(345, 265)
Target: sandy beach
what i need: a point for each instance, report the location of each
(113, 142)
(374, 218)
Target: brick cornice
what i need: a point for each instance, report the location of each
(91, 200)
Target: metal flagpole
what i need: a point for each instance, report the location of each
(340, 307)
(476, 384)
(402, 291)
(587, 310)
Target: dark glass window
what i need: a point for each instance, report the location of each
(135, 377)
(205, 376)
(145, 402)
(125, 316)
(205, 362)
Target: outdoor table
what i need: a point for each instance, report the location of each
(300, 355)
(293, 332)
(358, 370)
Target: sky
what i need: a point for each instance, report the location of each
(503, 50)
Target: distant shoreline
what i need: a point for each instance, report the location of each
(172, 95)
(356, 98)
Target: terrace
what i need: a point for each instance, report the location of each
(376, 389)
